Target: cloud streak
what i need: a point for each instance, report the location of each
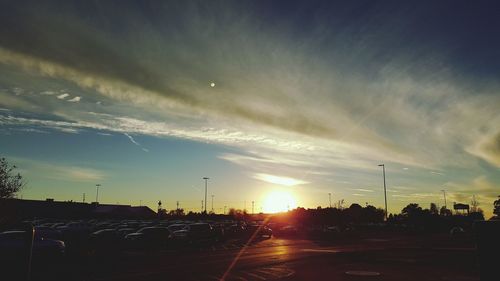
(60, 172)
(135, 142)
(75, 99)
(62, 96)
(279, 180)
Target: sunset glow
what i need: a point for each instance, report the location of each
(279, 201)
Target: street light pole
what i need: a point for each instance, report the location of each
(206, 183)
(444, 194)
(212, 203)
(330, 199)
(385, 190)
(97, 193)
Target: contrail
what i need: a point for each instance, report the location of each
(135, 142)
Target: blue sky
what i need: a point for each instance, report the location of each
(312, 95)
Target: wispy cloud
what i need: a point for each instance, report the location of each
(104, 134)
(135, 142)
(488, 148)
(58, 172)
(286, 181)
(62, 96)
(363, 190)
(75, 99)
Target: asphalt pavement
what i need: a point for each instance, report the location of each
(396, 258)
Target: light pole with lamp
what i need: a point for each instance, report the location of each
(385, 190)
(97, 193)
(206, 183)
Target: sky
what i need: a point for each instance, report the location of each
(308, 97)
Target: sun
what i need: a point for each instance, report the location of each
(279, 201)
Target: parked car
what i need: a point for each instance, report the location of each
(234, 230)
(455, 231)
(47, 232)
(259, 231)
(105, 240)
(176, 227)
(122, 232)
(196, 232)
(289, 231)
(149, 237)
(12, 244)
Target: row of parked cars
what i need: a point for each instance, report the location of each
(57, 238)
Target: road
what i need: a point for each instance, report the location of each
(396, 258)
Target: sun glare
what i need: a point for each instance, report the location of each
(279, 201)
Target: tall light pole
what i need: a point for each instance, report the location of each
(330, 199)
(212, 203)
(253, 202)
(206, 183)
(97, 193)
(444, 194)
(385, 191)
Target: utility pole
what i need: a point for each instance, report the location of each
(177, 205)
(330, 199)
(253, 202)
(225, 210)
(206, 183)
(212, 203)
(385, 191)
(444, 194)
(84, 197)
(474, 204)
(97, 193)
(202, 207)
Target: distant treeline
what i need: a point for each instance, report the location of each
(412, 217)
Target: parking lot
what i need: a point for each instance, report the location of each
(231, 250)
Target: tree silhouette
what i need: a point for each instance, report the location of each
(354, 212)
(434, 209)
(177, 212)
(496, 207)
(445, 212)
(10, 183)
(411, 210)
